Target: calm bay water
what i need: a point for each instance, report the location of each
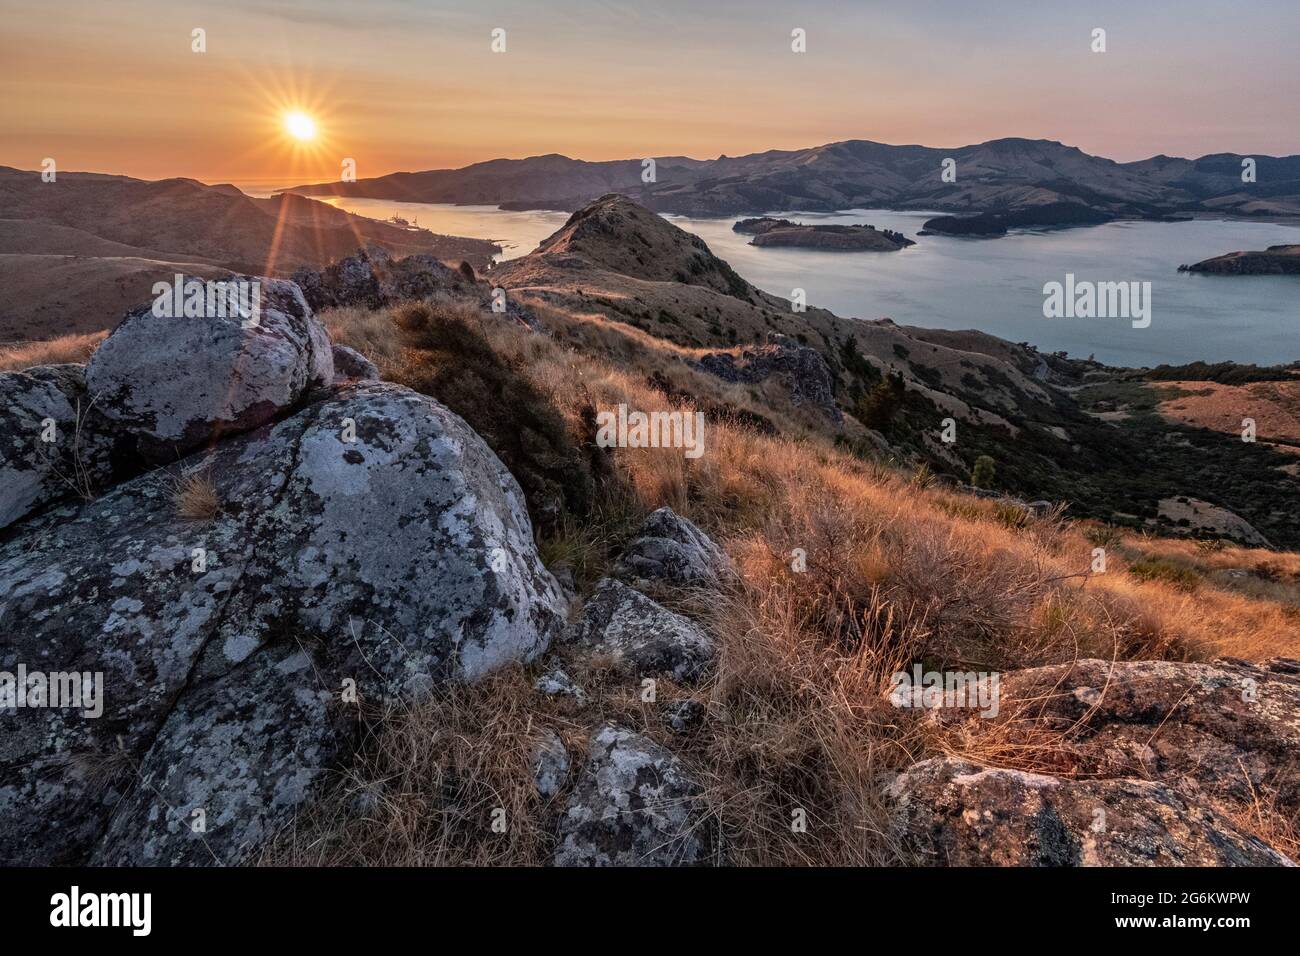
(994, 285)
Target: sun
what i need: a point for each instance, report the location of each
(300, 126)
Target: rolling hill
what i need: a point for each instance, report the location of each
(74, 251)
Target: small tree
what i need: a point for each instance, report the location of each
(982, 475)
(876, 409)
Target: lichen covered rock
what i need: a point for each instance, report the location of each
(634, 805)
(670, 549)
(369, 546)
(351, 366)
(52, 444)
(952, 813)
(640, 636)
(1228, 729)
(550, 764)
(175, 382)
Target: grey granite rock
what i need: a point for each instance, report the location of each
(672, 550)
(641, 636)
(399, 560)
(52, 444)
(174, 383)
(634, 805)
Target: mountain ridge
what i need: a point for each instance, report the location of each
(1006, 174)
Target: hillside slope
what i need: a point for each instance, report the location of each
(438, 598)
(1044, 420)
(119, 232)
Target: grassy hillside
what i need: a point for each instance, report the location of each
(899, 569)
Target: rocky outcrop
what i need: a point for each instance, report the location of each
(634, 805)
(173, 382)
(52, 444)
(351, 366)
(640, 637)
(802, 370)
(1273, 261)
(1151, 762)
(1229, 730)
(370, 278)
(952, 813)
(671, 550)
(367, 547)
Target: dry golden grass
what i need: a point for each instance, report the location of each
(65, 349)
(195, 497)
(372, 333)
(433, 779)
(897, 571)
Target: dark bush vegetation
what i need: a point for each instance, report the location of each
(449, 359)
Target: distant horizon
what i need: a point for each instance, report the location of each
(317, 180)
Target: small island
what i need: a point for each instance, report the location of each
(1273, 261)
(768, 231)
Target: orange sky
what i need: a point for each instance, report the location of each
(413, 84)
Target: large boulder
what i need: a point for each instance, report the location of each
(952, 813)
(670, 549)
(52, 444)
(368, 547)
(634, 805)
(174, 382)
(641, 637)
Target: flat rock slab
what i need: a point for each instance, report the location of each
(952, 813)
(1231, 729)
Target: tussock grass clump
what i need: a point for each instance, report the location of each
(372, 333)
(59, 351)
(431, 779)
(1162, 569)
(447, 355)
(195, 497)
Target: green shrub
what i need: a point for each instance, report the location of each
(876, 409)
(983, 474)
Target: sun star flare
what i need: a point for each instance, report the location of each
(300, 126)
